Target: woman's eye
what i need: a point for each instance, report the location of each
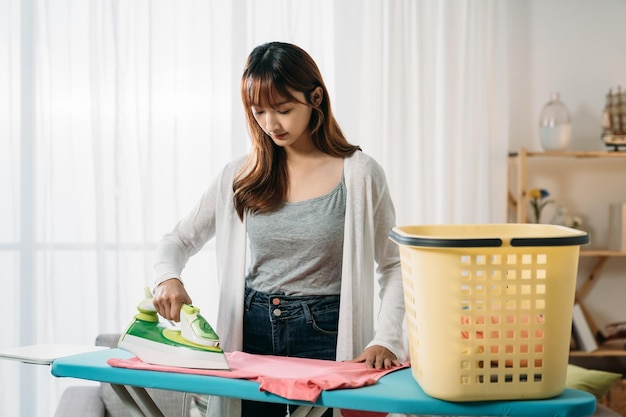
(285, 111)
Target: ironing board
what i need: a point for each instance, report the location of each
(396, 392)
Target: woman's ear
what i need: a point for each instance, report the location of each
(316, 96)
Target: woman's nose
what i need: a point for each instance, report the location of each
(271, 122)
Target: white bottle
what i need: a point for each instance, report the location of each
(555, 128)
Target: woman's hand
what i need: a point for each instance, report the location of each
(169, 297)
(377, 357)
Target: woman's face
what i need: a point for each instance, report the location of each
(287, 122)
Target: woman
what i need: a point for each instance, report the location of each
(300, 225)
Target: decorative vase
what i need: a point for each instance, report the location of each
(555, 128)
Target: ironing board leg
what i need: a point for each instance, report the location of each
(127, 400)
(308, 411)
(317, 412)
(301, 411)
(146, 400)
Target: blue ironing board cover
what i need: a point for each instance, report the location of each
(397, 392)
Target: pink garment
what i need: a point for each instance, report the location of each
(288, 377)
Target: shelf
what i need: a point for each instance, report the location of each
(611, 348)
(600, 353)
(600, 252)
(580, 154)
(517, 165)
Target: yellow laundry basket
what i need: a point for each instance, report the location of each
(489, 307)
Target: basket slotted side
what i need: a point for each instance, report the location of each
(489, 323)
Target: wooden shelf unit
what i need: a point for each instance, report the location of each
(518, 162)
(518, 202)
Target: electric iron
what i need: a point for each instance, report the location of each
(194, 345)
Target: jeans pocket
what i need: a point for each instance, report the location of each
(325, 322)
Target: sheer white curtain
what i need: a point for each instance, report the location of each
(428, 83)
(114, 116)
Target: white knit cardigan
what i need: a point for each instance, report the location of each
(369, 217)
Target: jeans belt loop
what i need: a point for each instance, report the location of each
(307, 312)
(249, 298)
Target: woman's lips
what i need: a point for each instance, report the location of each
(279, 136)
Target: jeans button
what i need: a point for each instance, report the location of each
(277, 312)
(275, 301)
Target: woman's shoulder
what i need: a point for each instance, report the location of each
(362, 163)
(233, 167)
(227, 174)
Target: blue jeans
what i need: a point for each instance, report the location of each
(299, 326)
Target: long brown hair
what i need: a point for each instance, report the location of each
(272, 69)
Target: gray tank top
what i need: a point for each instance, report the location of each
(298, 249)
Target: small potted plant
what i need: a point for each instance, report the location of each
(539, 198)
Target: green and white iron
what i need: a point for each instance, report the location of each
(194, 345)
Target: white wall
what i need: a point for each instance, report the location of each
(575, 47)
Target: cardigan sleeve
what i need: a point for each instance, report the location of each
(389, 329)
(369, 257)
(186, 238)
(389, 326)
(195, 229)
